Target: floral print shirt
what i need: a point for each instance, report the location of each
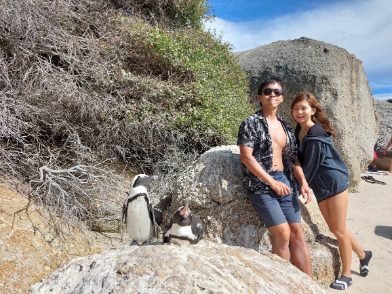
(254, 133)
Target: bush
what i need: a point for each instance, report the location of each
(215, 85)
(84, 82)
(172, 13)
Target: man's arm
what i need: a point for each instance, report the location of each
(255, 168)
(304, 189)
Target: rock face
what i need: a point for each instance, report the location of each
(384, 113)
(213, 187)
(203, 268)
(337, 79)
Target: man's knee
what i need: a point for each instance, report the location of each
(280, 234)
(297, 233)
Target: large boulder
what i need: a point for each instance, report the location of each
(213, 186)
(338, 80)
(206, 267)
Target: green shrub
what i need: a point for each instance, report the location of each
(213, 99)
(169, 13)
(187, 13)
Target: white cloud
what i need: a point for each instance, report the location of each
(364, 28)
(383, 96)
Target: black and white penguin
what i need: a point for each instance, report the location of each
(185, 227)
(138, 212)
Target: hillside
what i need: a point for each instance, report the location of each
(92, 92)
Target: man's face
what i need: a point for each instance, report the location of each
(271, 96)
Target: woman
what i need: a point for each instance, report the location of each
(328, 176)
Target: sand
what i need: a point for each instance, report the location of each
(370, 220)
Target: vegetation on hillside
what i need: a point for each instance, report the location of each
(86, 82)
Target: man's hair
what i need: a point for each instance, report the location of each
(269, 81)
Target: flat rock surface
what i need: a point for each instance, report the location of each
(206, 267)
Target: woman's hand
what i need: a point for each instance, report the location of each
(306, 192)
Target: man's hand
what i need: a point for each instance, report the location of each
(280, 188)
(306, 192)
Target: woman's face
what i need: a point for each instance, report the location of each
(302, 112)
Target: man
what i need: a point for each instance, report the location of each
(267, 149)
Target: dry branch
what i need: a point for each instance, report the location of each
(64, 105)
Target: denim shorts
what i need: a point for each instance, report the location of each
(274, 209)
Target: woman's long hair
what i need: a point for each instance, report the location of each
(319, 116)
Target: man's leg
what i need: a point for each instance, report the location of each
(268, 208)
(299, 249)
(280, 238)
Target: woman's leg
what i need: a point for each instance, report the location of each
(334, 210)
(356, 246)
(354, 243)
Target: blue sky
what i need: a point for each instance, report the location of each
(362, 27)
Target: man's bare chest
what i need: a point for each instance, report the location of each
(278, 134)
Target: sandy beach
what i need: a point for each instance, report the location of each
(370, 220)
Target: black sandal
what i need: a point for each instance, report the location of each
(342, 283)
(363, 268)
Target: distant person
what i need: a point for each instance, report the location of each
(385, 162)
(328, 176)
(373, 166)
(387, 147)
(268, 150)
(378, 161)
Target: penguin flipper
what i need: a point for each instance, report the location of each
(125, 208)
(166, 234)
(197, 227)
(124, 213)
(152, 218)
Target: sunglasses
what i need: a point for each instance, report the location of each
(268, 91)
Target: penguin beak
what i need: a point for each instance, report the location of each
(185, 211)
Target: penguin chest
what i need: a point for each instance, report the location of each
(181, 235)
(139, 223)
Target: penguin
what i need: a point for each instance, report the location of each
(137, 211)
(185, 227)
